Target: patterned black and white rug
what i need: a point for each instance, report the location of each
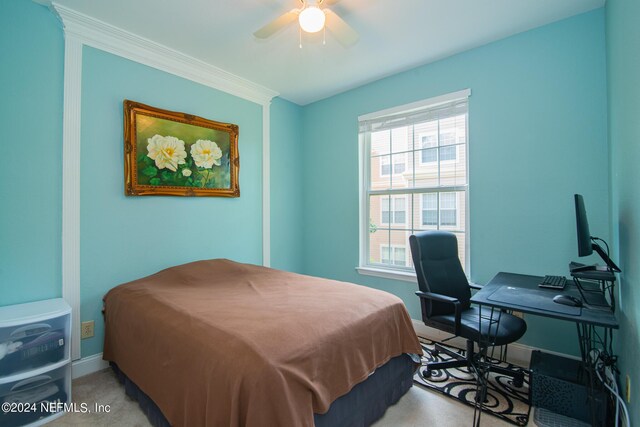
(503, 399)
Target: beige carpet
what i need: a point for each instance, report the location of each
(417, 408)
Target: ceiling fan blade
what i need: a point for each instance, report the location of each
(277, 24)
(346, 35)
(330, 2)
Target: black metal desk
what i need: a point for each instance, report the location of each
(518, 292)
(596, 315)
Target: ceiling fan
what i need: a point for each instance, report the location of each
(312, 19)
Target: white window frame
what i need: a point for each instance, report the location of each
(364, 266)
(455, 149)
(392, 168)
(422, 224)
(390, 165)
(434, 148)
(456, 210)
(439, 224)
(392, 250)
(437, 148)
(392, 212)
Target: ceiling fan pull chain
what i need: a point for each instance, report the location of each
(300, 37)
(324, 35)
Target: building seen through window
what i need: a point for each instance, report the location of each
(416, 179)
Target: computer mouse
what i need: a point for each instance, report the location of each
(568, 300)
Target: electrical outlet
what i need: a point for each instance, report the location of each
(628, 389)
(87, 329)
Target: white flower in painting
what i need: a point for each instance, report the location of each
(167, 151)
(186, 172)
(206, 153)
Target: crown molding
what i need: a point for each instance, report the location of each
(100, 35)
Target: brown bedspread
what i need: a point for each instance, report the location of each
(219, 343)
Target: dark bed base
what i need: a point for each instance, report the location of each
(362, 406)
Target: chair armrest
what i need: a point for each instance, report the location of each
(446, 299)
(438, 297)
(474, 286)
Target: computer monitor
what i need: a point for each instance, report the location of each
(586, 243)
(582, 224)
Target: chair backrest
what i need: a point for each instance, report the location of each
(438, 269)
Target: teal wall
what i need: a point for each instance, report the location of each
(538, 110)
(538, 134)
(31, 75)
(125, 238)
(286, 185)
(623, 55)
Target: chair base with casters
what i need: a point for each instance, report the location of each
(468, 360)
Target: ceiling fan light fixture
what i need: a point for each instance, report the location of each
(311, 19)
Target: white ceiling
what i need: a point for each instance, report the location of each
(394, 35)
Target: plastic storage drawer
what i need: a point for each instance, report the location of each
(29, 346)
(36, 397)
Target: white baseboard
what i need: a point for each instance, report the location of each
(88, 365)
(518, 354)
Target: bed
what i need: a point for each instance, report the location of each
(219, 343)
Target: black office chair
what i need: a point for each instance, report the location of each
(445, 297)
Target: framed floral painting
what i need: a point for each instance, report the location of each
(178, 154)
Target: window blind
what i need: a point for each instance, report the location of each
(426, 114)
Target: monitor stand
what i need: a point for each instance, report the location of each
(576, 267)
(596, 285)
(591, 272)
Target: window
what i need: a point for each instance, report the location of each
(395, 255)
(440, 144)
(429, 153)
(414, 177)
(394, 210)
(440, 210)
(448, 211)
(398, 165)
(448, 153)
(430, 209)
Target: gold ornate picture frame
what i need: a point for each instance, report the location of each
(177, 154)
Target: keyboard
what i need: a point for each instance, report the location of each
(553, 282)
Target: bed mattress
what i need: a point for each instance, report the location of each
(222, 343)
